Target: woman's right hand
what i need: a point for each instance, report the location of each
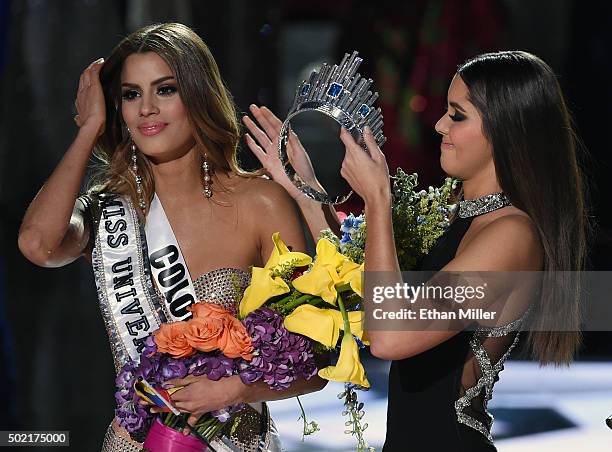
(89, 103)
(264, 144)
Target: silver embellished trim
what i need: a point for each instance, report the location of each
(114, 442)
(489, 371)
(484, 204)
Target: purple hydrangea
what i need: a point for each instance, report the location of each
(280, 357)
(217, 367)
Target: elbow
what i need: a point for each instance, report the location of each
(379, 351)
(388, 351)
(30, 245)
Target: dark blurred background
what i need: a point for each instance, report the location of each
(55, 367)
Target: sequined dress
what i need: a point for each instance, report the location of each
(438, 399)
(256, 430)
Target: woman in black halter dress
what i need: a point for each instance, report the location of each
(507, 136)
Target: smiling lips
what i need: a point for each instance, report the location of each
(446, 146)
(151, 128)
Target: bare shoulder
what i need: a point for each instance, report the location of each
(264, 193)
(508, 240)
(514, 223)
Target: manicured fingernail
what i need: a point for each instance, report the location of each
(167, 385)
(99, 61)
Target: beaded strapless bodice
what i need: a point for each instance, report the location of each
(223, 286)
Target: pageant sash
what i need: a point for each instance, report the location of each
(129, 305)
(168, 266)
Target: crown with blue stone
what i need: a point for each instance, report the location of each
(339, 92)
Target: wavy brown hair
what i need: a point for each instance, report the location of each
(535, 152)
(209, 105)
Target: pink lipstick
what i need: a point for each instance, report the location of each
(151, 128)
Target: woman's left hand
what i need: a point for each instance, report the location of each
(200, 395)
(367, 174)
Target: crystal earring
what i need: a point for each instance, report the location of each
(206, 169)
(141, 201)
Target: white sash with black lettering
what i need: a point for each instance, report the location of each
(126, 299)
(168, 266)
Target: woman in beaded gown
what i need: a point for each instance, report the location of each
(169, 201)
(507, 135)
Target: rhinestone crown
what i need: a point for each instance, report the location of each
(339, 92)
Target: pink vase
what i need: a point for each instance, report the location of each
(165, 439)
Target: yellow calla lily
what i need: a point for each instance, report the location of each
(262, 288)
(348, 368)
(327, 254)
(322, 278)
(319, 281)
(324, 325)
(281, 255)
(351, 273)
(318, 324)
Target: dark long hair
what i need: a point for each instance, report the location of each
(527, 122)
(209, 105)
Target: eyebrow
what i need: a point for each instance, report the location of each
(457, 106)
(154, 82)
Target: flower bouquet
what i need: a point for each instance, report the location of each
(323, 302)
(216, 344)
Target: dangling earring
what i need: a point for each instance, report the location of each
(141, 201)
(206, 169)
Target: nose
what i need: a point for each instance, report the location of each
(148, 106)
(442, 125)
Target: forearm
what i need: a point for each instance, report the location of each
(318, 216)
(261, 392)
(381, 256)
(48, 217)
(380, 252)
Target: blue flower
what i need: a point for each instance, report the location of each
(346, 238)
(351, 223)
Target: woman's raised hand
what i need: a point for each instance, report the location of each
(366, 173)
(264, 144)
(89, 103)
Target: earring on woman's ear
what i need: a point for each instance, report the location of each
(207, 180)
(139, 191)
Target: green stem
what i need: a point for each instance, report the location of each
(345, 319)
(298, 301)
(344, 288)
(303, 417)
(316, 302)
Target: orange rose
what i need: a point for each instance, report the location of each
(235, 341)
(170, 338)
(203, 333)
(203, 310)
